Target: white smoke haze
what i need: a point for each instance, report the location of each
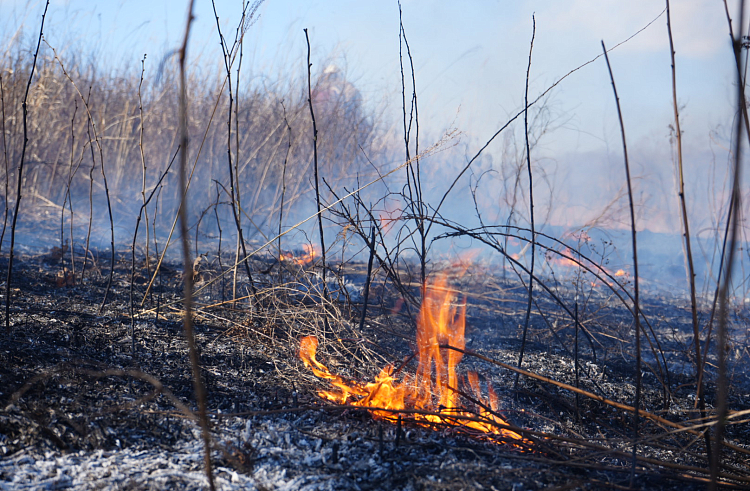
(469, 84)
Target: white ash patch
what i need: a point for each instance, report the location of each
(288, 456)
(181, 467)
(305, 451)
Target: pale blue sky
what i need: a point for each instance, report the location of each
(471, 55)
(471, 63)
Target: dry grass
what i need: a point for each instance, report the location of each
(271, 143)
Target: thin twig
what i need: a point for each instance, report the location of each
(735, 207)
(200, 393)
(233, 177)
(19, 177)
(315, 167)
(5, 160)
(141, 212)
(366, 292)
(415, 201)
(700, 397)
(636, 306)
(283, 184)
(540, 97)
(68, 198)
(143, 165)
(531, 203)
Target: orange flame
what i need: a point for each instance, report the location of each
(564, 260)
(311, 252)
(434, 388)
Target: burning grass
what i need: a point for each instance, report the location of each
(434, 387)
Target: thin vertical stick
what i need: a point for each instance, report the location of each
(91, 194)
(156, 254)
(218, 254)
(531, 204)
(700, 398)
(636, 301)
(143, 165)
(315, 167)
(366, 293)
(68, 198)
(413, 173)
(233, 177)
(19, 177)
(111, 225)
(5, 160)
(200, 393)
(730, 213)
(91, 126)
(142, 212)
(577, 365)
(734, 207)
(168, 240)
(283, 186)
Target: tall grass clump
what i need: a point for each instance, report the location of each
(137, 122)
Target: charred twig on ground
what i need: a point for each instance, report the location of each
(73, 366)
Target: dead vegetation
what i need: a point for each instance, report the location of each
(607, 385)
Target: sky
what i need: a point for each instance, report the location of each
(471, 60)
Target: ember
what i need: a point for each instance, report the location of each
(434, 388)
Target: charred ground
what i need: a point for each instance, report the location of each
(73, 391)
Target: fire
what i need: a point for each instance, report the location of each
(565, 260)
(435, 386)
(309, 256)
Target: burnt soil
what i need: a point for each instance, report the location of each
(71, 384)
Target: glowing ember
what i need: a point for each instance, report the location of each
(309, 256)
(435, 386)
